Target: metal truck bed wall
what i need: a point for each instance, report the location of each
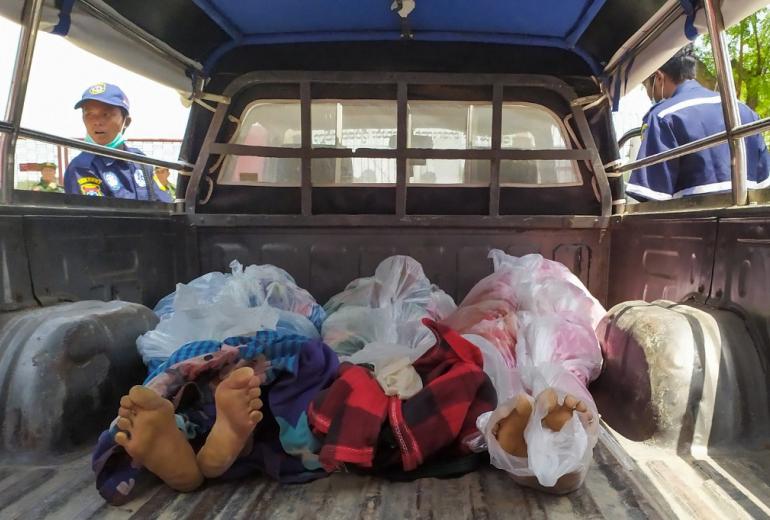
(326, 256)
(51, 257)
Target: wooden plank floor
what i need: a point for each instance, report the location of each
(67, 492)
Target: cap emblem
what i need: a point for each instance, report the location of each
(99, 88)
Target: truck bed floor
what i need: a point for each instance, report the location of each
(627, 480)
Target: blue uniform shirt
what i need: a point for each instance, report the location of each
(693, 112)
(90, 174)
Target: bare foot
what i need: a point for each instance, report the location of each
(509, 432)
(237, 402)
(150, 436)
(559, 414)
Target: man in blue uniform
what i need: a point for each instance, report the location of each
(106, 116)
(685, 112)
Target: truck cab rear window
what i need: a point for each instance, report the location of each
(352, 125)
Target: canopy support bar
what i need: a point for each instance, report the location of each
(20, 79)
(115, 153)
(755, 127)
(729, 101)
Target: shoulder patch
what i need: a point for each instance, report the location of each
(112, 181)
(89, 180)
(139, 178)
(90, 186)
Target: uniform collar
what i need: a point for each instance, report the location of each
(686, 86)
(109, 161)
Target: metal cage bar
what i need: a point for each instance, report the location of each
(20, 78)
(729, 101)
(306, 152)
(497, 132)
(97, 149)
(306, 124)
(739, 132)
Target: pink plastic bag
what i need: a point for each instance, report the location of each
(548, 322)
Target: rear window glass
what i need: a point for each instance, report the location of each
(266, 123)
(352, 170)
(354, 124)
(442, 125)
(448, 172)
(530, 127)
(350, 124)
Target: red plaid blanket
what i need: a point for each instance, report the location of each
(349, 415)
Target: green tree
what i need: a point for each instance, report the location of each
(749, 48)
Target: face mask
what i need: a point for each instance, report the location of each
(654, 83)
(119, 140)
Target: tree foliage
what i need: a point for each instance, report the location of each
(749, 48)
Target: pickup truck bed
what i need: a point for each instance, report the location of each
(652, 484)
(66, 490)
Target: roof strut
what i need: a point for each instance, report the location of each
(404, 9)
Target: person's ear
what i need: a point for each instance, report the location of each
(126, 123)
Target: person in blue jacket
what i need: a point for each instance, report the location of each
(106, 116)
(687, 111)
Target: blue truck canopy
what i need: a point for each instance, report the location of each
(606, 38)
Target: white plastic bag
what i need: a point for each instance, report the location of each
(200, 291)
(385, 308)
(550, 338)
(556, 347)
(216, 306)
(397, 280)
(550, 455)
(352, 328)
(547, 285)
(216, 321)
(506, 381)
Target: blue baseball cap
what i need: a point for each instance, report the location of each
(106, 93)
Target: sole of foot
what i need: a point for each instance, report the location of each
(149, 434)
(510, 430)
(559, 414)
(238, 404)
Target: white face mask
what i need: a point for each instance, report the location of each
(654, 83)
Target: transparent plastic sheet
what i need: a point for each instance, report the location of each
(200, 291)
(386, 308)
(550, 324)
(216, 321)
(352, 328)
(252, 286)
(506, 380)
(550, 455)
(552, 339)
(551, 283)
(216, 306)
(397, 280)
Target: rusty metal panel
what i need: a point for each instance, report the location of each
(15, 281)
(741, 285)
(661, 258)
(742, 268)
(103, 258)
(63, 369)
(325, 260)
